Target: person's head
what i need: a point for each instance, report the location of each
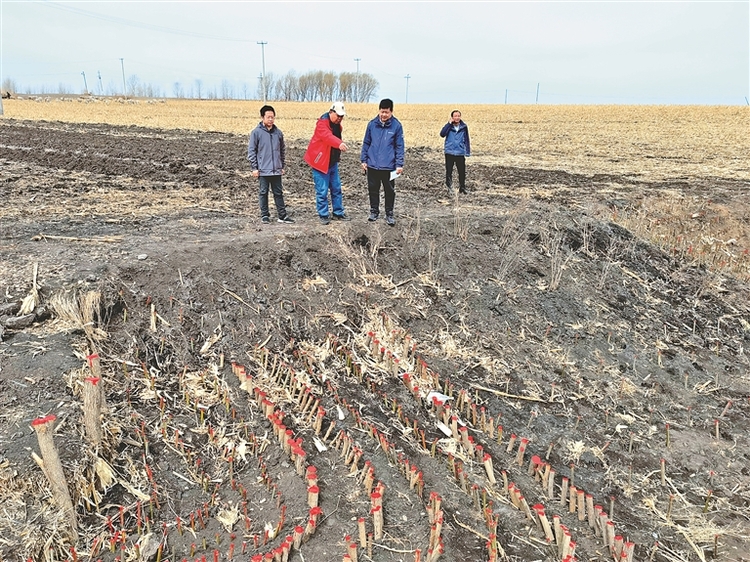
(455, 116)
(268, 114)
(336, 113)
(385, 109)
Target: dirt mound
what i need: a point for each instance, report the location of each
(449, 378)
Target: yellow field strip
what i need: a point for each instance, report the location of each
(651, 142)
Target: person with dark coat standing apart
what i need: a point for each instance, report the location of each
(323, 155)
(383, 159)
(457, 149)
(267, 153)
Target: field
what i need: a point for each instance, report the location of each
(551, 365)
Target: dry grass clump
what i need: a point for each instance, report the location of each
(80, 311)
(697, 229)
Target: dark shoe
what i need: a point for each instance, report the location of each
(462, 190)
(342, 217)
(373, 216)
(265, 220)
(286, 220)
(325, 219)
(389, 220)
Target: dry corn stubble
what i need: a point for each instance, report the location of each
(450, 349)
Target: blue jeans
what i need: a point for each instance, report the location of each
(325, 183)
(272, 183)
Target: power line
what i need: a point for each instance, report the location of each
(164, 29)
(141, 25)
(175, 31)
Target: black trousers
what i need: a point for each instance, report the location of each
(460, 162)
(273, 184)
(376, 178)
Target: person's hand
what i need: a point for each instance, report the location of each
(256, 173)
(364, 166)
(399, 171)
(282, 171)
(343, 147)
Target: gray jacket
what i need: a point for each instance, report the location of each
(266, 150)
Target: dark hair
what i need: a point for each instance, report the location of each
(267, 108)
(386, 104)
(455, 111)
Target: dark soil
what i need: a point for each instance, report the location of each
(521, 299)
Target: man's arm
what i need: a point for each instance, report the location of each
(365, 147)
(468, 143)
(326, 135)
(445, 129)
(399, 140)
(282, 150)
(252, 152)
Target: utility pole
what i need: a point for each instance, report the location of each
(85, 86)
(263, 57)
(356, 95)
(124, 89)
(537, 92)
(407, 87)
(506, 96)
(101, 89)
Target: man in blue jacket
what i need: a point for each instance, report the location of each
(457, 149)
(267, 153)
(383, 159)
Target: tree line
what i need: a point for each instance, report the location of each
(319, 85)
(315, 85)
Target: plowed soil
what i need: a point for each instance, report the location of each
(622, 368)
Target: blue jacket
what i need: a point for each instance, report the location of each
(266, 150)
(383, 146)
(456, 142)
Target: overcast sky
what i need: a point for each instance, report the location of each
(454, 52)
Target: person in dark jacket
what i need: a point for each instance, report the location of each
(323, 155)
(457, 149)
(267, 153)
(383, 159)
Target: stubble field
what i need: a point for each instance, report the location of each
(269, 392)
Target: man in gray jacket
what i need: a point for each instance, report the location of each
(267, 153)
